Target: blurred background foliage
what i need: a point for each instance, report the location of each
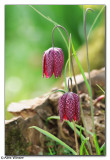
(28, 35)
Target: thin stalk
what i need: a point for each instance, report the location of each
(59, 26)
(69, 56)
(69, 85)
(50, 20)
(95, 21)
(82, 114)
(87, 44)
(66, 88)
(92, 111)
(82, 142)
(76, 139)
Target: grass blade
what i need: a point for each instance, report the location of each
(95, 21)
(82, 142)
(77, 131)
(104, 150)
(54, 138)
(50, 20)
(77, 126)
(87, 84)
(82, 145)
(96, 144)
(81, 69)
(102, 147)
(100, 88)
(57, 90)
(82, 128)
(53, 117)
(50, 152)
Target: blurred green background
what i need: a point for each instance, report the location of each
(28, 35)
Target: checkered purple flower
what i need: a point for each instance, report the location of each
(69, 107)
(53, 60)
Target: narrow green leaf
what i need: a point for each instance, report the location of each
(77, 126)
(84, 129)
(54, 138)
(82, 145)
(72, 127)
(57, 90)
(82, 142)
(87, 84)
(80, 134)
(96, 144)
(50, 151)
(104, 150)
(95, 20)
(50, 20)
(81, 69)
(53, 117)
(102, 147)
(100, 88)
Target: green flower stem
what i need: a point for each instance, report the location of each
(96, 144)
(69, 40)
(76, 139)
(100, 88)
(66, 87)
(82, 145)
(59, 26)
(57, 90)
(69, 56)
(70, 79)
(103, 148)
(71, 65)
(92, 111)
(82, 114)
(98, 15)
(82, 142)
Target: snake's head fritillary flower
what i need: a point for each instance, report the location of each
(53, 60)
(69, 107)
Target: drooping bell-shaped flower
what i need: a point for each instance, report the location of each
(69, 107)
(53, 60)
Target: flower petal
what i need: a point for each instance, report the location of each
(77, 108)
(58, 61)
(44, 67)
(62, 102)
(48, 62)
(61, 60)
(65, 118)
(70, 106)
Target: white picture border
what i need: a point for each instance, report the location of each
(2, 73)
